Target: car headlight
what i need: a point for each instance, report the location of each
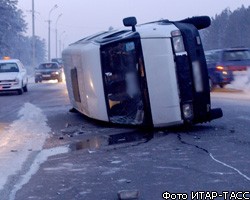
(38, 73)
(177, 39)
(55, 73)
(17, 80)
(187, 110)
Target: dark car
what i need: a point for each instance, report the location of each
(48, 71)
(222, 64)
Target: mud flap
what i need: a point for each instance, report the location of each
(215, 113)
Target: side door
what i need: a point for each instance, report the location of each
(23, 73)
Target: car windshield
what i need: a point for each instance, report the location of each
(57, 60)
(8, 67)
(48, 66)
(236, 55)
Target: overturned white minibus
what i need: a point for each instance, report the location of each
(154, 74)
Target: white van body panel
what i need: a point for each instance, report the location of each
(155, 30)
(86, 59)
(162, 81)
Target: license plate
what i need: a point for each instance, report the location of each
(46, 76)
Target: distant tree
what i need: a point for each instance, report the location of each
(12, 26)
(41, 50)
(228, 29)
(238, 28)
(213, 36)
(13, 43)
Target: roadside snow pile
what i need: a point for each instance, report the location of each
(25, 135)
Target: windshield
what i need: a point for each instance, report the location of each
(236, 55)
(48, 66)
(8, 67)
(123, 74)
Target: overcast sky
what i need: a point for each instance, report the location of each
(83, 17)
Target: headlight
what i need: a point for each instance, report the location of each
(187, 110)
(37, 73)
(17, 81)
(178, 44)
(55, 73)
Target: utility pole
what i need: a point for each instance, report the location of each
(33, 36)
(60, 42)
(49, 22)
(56, 32)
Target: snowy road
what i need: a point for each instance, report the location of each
(48, 153)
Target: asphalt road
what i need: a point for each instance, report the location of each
(203, 162)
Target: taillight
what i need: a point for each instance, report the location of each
(220, 68)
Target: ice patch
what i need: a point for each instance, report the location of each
(86, 192)
(111, 171)
(123, 180)
(168, 167)
(244, 118)
(116, 162)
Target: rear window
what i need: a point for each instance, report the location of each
(212, 56)
(8, 67)
(48, 66)
(236, 55)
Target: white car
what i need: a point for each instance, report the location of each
(13, 76)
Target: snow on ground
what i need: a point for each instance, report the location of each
(241, 82)
(239, 89)
(23, 136)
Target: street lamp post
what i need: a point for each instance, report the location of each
(60, 42)
(56, 31)
(33, 34)
(49, 21)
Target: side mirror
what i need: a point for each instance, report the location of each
(130, 21)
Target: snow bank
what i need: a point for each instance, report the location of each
(23, 136)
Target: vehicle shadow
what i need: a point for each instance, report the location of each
(8, 93)
(121, 135)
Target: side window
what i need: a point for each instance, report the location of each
(75, 85)
(21, 67)
(122, 80)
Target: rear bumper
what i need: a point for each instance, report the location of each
(222, 79)
(50, 77)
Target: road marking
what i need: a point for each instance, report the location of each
(40, 158)
(229, 166)
(211, 155)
